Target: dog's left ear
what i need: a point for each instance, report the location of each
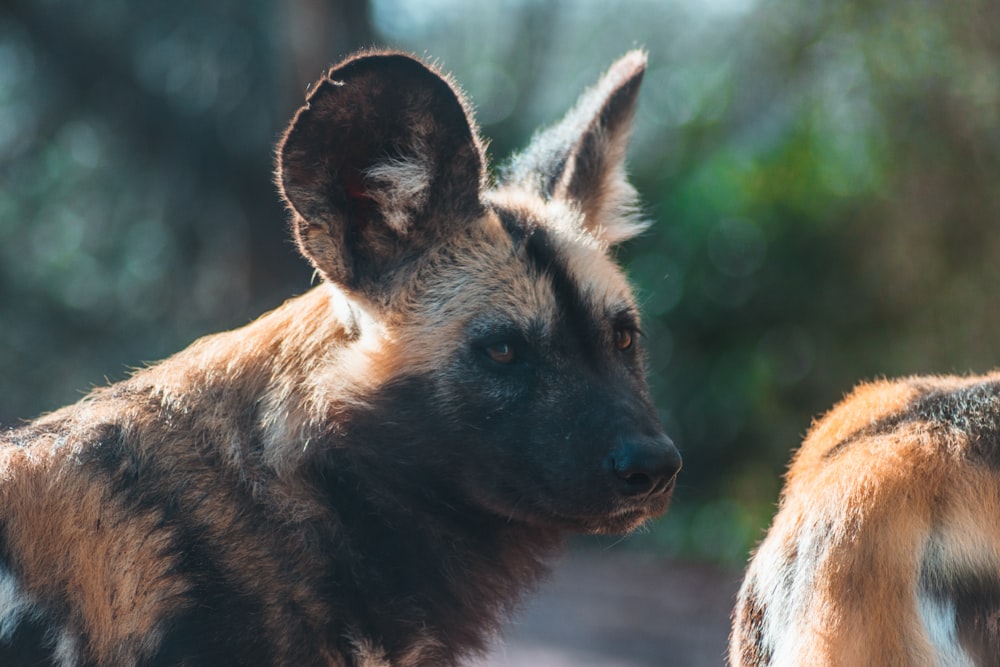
(581, 159)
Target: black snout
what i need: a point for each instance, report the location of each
(644, 465)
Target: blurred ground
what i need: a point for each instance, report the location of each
(622, 609)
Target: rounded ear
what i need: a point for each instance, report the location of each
(581, 159)
(381, 163)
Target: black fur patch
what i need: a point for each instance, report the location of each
(972, 411)
(977, 604)
(976, 599)
(218, 623)
(517, 227)
(579, 322)
(750, 626)
(29, 645)
(579, 316)
(432, 562)
(222, 625)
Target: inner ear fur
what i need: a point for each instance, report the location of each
(381, 163)
(581, 159)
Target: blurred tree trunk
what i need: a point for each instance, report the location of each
(321, 32)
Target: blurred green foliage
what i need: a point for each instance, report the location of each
(824, 180)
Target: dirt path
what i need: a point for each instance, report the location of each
(608, 609)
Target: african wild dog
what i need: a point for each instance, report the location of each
(371, 474)
(886, 546)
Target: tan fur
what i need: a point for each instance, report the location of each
(108, 573)
(879, 486)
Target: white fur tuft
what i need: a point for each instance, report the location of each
(401, 188)
(941, 622)
(14, 605)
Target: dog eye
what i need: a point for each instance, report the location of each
(624, 338)
(502, 353)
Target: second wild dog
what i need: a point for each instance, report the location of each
(372, 474)
(886, 547)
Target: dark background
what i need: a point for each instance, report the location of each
(824, 179)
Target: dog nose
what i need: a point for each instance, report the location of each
(643, 465)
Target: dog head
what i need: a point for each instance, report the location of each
(508, 366)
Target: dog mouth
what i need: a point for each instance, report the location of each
(584, 508)
(635, 512)
(662, 487)
(617, 516)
